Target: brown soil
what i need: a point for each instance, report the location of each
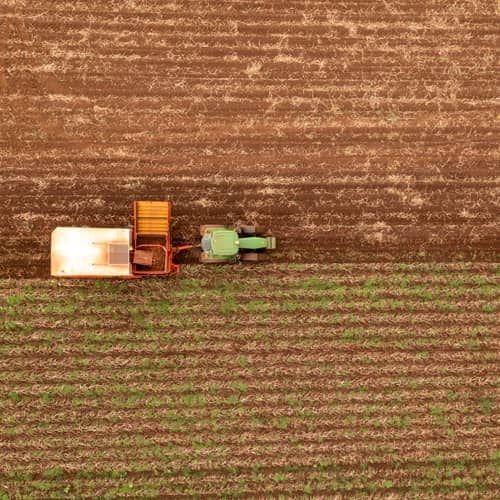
(353, 134)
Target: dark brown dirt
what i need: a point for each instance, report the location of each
(355, 132)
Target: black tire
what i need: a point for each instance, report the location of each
(256, 230)
(249, 257)
(210, 226)
(204, 260)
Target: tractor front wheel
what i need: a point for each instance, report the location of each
(256, 230)
(249, 257)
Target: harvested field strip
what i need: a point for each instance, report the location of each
(284, 375)
(239, 110)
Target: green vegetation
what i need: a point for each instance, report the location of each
(295, 381)
(486, 405)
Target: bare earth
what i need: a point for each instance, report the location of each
(356, 131)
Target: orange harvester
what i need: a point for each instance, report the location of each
(153, 250)
(81, 252)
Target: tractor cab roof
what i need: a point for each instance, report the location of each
(224, 242)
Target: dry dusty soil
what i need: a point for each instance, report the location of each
(357, 131)
(363, 359)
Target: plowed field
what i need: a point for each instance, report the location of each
(323, 379)
(357, 131)
(362, 134)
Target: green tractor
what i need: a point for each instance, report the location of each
(221, 244)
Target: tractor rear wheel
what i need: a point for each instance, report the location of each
(207, 227)
(249, 257)
(206, 260)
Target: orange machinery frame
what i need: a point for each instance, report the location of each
(165, 243)
(170, 267)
